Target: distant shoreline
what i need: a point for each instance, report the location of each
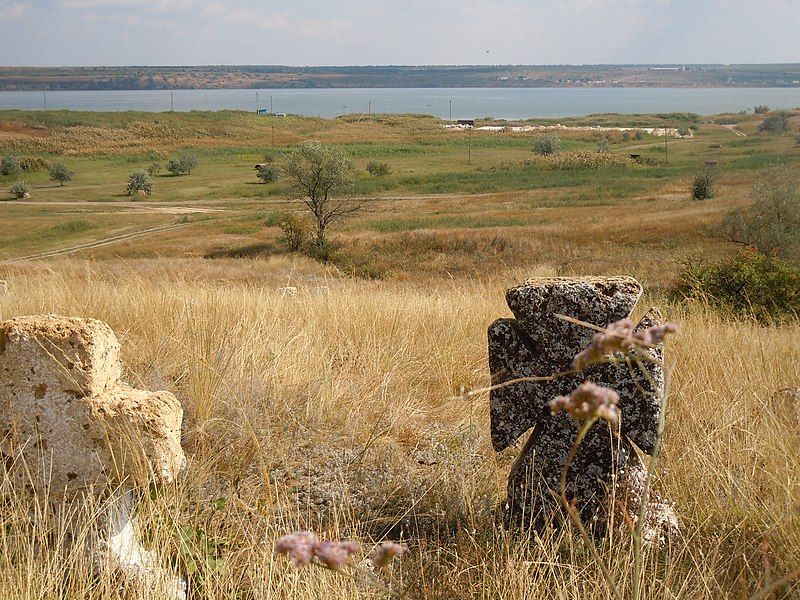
(388, 77)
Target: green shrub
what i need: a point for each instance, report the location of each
(32, 164)
(378, 169)
(139, 183)
(183, 164)
(751, 285)
(20, 190)
(154, 169)
(776, 124)
(771, 223)
(547, 144)
(684, 131)
(761, 109)
(602, 146)
(639, 136)
(267, 173)
(9, 166)
(703, 186)
(60, 172)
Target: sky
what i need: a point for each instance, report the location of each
(377, 32)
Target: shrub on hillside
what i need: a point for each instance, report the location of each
(761, 109)
(295, 231)
(639, 135)
(139, 183)
(703, 186)
(267, 173)
(603, 146)
(9, 166)
(684, 131)
(378, 169)
(547, 144)
(775, 124)
(60, 172)
(154, 169)
(32, 164)
(183, 164)
(751, 285)
(20, 190)
(771, 223)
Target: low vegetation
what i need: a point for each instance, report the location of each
(139, 182)
(703, 186)
(20, 190)
(547, 144)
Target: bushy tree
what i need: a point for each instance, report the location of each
(378, 169)
(684, 131)
(267, 173)
(9, 166)
(182, 164)
(639, 135)
(771, 223)
(546, 144)
(139, 181)
(322, 177)
(777, 124)
(602, 146)
(761, 109)
(20, 190)
(60, 172)
(154, 169)
(703, 186)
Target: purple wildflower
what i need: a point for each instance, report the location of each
(334, 555)
(587, 401)
(620, 337)
(305, 546)
(385, 553)
(298, 546)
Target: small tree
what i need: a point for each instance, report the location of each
(322, 177)
(60, 172)
(20, 190)
(761, 109)
(267, 174)
(139, 182)
(771, 224)
(777, 124)
(639, 135)
(9, 166)
(684, 131)
(378, 169)
(295, 231)
(703, 186)
(545, 144)
(154, 169)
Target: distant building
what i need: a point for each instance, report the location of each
(466, 122)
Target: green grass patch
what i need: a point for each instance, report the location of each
(451, 222)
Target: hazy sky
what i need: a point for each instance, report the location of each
(337, 32)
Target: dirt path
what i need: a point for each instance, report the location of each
(138, 206)
(734, 131)
(95, 244)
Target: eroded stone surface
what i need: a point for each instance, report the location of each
(538, 344)
(70, 428)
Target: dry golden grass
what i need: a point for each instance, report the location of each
(334, 409)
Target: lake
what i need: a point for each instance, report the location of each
(507, 103)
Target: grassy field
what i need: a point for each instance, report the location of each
(337, 408)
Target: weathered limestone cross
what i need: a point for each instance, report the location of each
(537, 343)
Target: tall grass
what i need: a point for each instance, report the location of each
(334, 409)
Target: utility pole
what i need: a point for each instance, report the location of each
(469, 146)
(451, 111)
(270, 105)
(172, 101)
(369, 108)
(44, 92)
(256, 102)
(273, 136)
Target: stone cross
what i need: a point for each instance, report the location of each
(537, 343)
(71, 430)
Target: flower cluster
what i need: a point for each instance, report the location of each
(620, 337)
(587, 401)
(385, 553)
(304, 547)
